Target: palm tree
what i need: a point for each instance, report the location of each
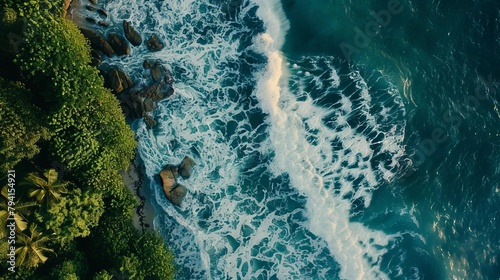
(21, 221)
(30, 248)
(47, 189)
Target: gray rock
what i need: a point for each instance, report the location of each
(147, 64)
(177, 195)
(98, 42)
(157, 72)
(119, 44)
(118, 80)
(185, 168)
(154, 44)
(96, 57)
(149, 105)
(131, 34)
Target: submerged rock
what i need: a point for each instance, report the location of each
(102, 12)
(150, 121)
(119, 44)
(90, 7)
(103, 23)
(185, 167)
(93, 2)
(98, 42)
(231, 6)
(91, 20)
(147, 63)
(154, 44)
(131, 34)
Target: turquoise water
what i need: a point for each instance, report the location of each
(314, 164)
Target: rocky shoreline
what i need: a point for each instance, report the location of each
(136, 102)
(138, 99)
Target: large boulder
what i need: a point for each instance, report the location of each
(176, 195)
(98, 42)
(131, 34)
(159, 73)
(174, 192)
(169, 177)
(118, 80)
(132, 104)
(154, 44)
(153, 92)
(185, 167)
(119, 44)
(65, 7)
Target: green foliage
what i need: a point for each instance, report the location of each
(113, 233)
(156, 262)
(103, 275)
(30, 248)
(89, 136)
(128, 267)
(46, 190)
(57, 56)
(9, 16)
(128, 253)
(21, 223)
(19, 274)
(21, 123)
(73, 215)
(68, 270)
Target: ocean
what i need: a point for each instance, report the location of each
(333, 139)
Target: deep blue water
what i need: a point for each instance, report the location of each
(313, 164)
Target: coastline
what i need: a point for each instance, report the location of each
(143, 214)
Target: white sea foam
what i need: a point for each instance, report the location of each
(315, 169)
(228, 227)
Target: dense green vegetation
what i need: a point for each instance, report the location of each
(65, 136)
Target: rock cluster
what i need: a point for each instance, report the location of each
(140, 101)
(174, 191)
(137, 100)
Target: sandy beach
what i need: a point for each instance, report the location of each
(144, 213)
